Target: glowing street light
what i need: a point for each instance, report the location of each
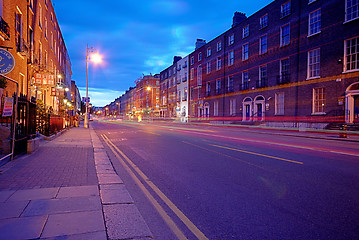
(96, 58)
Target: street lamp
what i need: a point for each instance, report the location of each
(152, 108)
(96, 58)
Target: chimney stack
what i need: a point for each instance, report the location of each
(238, 18)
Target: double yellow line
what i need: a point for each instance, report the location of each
(127, 163)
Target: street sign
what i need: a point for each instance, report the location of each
(7, 61)
(84, 99)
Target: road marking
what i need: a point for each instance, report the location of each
(149, 132)
(229, 156)
(164, 198)
(279, 144)
(258, 154)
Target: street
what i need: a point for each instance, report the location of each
(205, 182)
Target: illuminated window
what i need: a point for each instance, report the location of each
(245, 52)
(318, 100)
(314, 22)
(351, 54)
(352, 10)
(314, 63)
(245, 31)
(285, 35)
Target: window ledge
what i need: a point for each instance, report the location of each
(311, 78)
(319, 113)
(311, 35)
(351, 20)
(351, 71)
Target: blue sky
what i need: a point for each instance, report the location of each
(138, 37)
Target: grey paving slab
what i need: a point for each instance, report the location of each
(22, 228)
(78, 191)
(62, 205)
(115, 193)
(105, 171)
(109, 178)
(124, 221)
(4, 195)
(101, 155)
(104, 167)
(85, 236)
(12, 209)
(34, 194)
(73, 223)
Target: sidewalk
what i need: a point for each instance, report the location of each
(67, 189)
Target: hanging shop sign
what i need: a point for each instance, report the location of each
(7, 61)
(8, 107)
(57, 92)
(47, 79)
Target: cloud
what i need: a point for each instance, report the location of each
(100, 97)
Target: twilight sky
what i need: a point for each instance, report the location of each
(138, 37)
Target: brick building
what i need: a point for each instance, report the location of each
(31, 33)
(292, 61)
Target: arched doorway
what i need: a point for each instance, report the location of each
(247, 109)
(259, 109)
(352, 103)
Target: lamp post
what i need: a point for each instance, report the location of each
(95, 58)
(152, 108)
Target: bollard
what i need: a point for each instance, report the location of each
(343, 133)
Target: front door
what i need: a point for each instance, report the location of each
(248, 112)
(259, 111)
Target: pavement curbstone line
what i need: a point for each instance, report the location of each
(121, 216)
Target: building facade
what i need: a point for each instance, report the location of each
(182, 89)
(31, 33)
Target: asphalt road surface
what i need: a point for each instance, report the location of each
(202, 182)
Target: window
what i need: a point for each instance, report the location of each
(209, 52)
(209, 68)
(263, 21)
(245, 81)
(199, 56)
(230, 84)
(314, 22)
(215, 108)
(18, 32)
(179, 96)
(218, 87)
(263, 44)
(285, 9)
(314, 63)
(199, 76)
(219, 63)
(40, 16)
(263, 79)
(284, 76)
(279, 103)
(231, 39)
(40, 53)
(285, 35)
(245, 31)
(191, 75)
(318, 100)
(232, 107)
(185, 95)
(352, 10)
(219, 46)
(31, 5)
(351, 54)
(245, 52)
(191, 93)
(192, 60)
(208, 89)
(231, 58)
